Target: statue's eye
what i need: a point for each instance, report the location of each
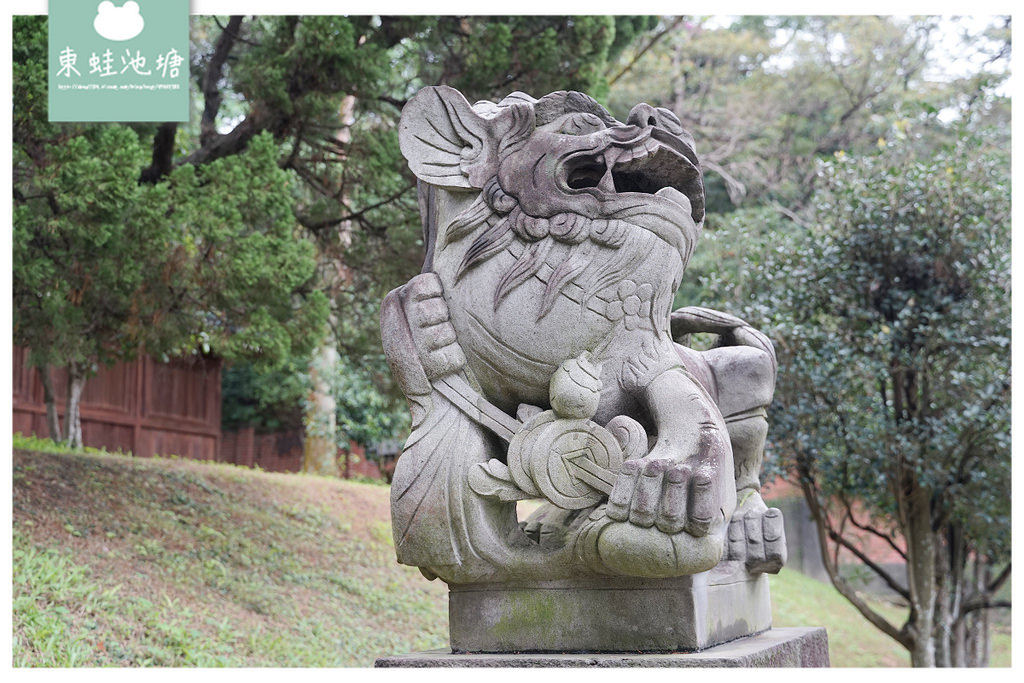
(581, 124)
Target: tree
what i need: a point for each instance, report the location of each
(198, 259)
(86, 238)
(798, 251)
(891, 311)
(765, 96)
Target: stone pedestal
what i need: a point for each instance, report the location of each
(683, 614)
(803, 647)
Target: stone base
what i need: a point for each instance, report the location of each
(803, 647)
(684, 614)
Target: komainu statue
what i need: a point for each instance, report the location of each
(542, 360)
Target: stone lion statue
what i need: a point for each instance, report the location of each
(541, 357)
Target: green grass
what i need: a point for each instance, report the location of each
(853, 642)
(47, 586)
(121, 561)
(35, 443)
(149, 562)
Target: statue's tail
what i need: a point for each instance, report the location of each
(731, 330)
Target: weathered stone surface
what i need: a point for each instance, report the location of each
(541, 359)
(611, 615)
(781, 647)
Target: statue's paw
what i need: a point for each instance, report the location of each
(628, 550)
(669, 495)
(757, 538)
(431, 327)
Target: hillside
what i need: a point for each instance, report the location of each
(124, 561)
(166, 562)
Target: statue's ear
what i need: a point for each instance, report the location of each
(446, 143)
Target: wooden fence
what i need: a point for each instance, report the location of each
(276, 452)
(282, 452)
(145, 406)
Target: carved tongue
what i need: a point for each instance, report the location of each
(676, 196)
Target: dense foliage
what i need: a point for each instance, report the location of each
(897, 317)
(890, 307)
(203, 259)
(858, 211)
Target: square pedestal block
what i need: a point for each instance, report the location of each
(778, 647)
(683, 614)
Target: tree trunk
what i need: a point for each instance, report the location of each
(945, 633)
(50, 399)
(72, 417)
(320, 451)
(956, 549)
(981, 639)
(977, 625)
(959, 643)
(921, 574)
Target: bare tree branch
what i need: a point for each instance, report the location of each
(211, 80)
(736, 189)
(823, 528)
(230, 143)
(844, 542)
(791, 215)
(998, 582)
(974, 606)
(354, 216)
(394, 102)
(163, 153)
(871, 530)
(646, 48)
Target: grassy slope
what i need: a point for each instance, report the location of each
(164, 562)
(123, 561)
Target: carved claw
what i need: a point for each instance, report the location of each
(666, 494)
(622, 494)
(647, 493)
(758, 539)
(672, 519)
(703, 504)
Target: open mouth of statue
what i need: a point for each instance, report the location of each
(646, 166)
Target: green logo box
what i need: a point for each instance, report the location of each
(120, 60)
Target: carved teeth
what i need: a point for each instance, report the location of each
(676, 196)
(645, 166)
(631, 157)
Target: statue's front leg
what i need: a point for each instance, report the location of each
(676, 486)
(667, 512)
(742, 366)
